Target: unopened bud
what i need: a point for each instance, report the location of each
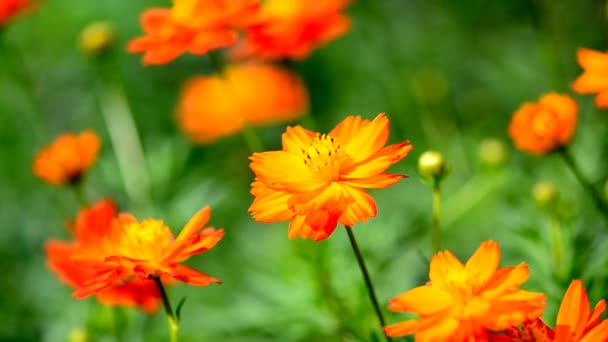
(544, 193)
(431, 166)
(492, 152)
(78, 335)
(97, 38)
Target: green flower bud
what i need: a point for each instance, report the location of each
(492, 152)
(78, 335)
(544, 193)
(96, 38)
(431, 166)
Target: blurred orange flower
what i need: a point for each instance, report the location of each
(576, 322)
(293, 28)
(257, 94)
(194, 26)
(544, 126)
(89, 229)
(138, 251)
(317, 181)
(463, 302)
(9, 9)
(67, 158)
(594, 79)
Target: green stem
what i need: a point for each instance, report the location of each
(80, 192)
(218, 64)
(596, 196)
(171, 318)
(368, 281)
(252, 139)
(436, 217)
(556, 246)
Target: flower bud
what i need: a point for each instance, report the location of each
(431, 166)
(544, 193)
(492, 152)
(96, 38)
(78, 335)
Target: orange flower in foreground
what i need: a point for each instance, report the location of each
(317, 181)
(293, 28)
(463, 302)
(9, 9)
(544, 126)
(576, 322)
(139, 251)
(67, 158)
(193, 26)
(257, 94)
(89, 229)
(594, 79)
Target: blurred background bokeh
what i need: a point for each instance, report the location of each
(448, 74)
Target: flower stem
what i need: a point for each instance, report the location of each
(218, 64)
(587, 185)
(366, 278)
(252, 139)
(556, 246)
(171, 318)
(436, 217)
(80, 192)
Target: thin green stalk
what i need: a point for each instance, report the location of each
(436, 217)
(595, 194)
(218, 64)
(171, 318)
(556, 246)
(80, 192)
(368, 281)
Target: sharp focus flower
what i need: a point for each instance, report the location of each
(254, 93)
(89, 229)
(67, 158)
(138, 251)
(193, 26)
(576, 322)
(544, 126)
(464, 302)
(293, 28)
(9, 9)
(318, 180)
(594, 79)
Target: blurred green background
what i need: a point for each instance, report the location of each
(448, 74)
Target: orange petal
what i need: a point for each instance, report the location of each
(591, 81)
(423, 300)
(442, 264)
(574, 310)
(361, 206)
(297, 138)
(483, 264)
(191, 276)
(599, 333)
(601, 100)
(196, 223)
(284, 171)
(378, 162)
(505, 279)
(362, 138)
(269, 205)
(591, 59)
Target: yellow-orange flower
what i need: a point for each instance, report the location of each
(193, 26)
(89, 229)
(576, 322)
(138, 251)
(318, 180)
(9, 9)
(254, 93)
(594, 79)
(293, 28)
(67, 158)
(544, 126)
(464, 302)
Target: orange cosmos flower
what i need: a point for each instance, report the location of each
(544, 126)
(89, 229)
(67, 158)
(193, 26)
(255, 93)
(576, 322)
(594, 79)
(293, 28)
(139, 251)
(9, 9)
(462, 302)
(317, 181)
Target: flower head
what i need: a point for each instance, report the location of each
(594, 79)
(67, 158)
(318, 180)
(193, 26)
(293, 28)
(463, 302)
(544, 126)
(89, 229)
(254, 93)
(133, 251)
(9, 9)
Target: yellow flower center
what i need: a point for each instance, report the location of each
(324, 157)
(146, 240)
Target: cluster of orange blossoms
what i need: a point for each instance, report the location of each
(549, 124)
(9, 9)
(253, 94)
(274, 29)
